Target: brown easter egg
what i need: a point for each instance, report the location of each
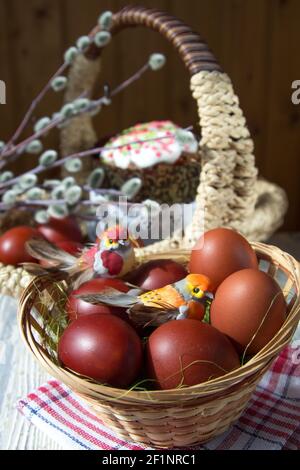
(102, 347)
(157, 273)
(77, 307)
(221, 252)
(59, 230)
(188, 352)
(249, 307)
(13, 245)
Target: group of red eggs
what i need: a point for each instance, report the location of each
(100, 342)
(64, 233)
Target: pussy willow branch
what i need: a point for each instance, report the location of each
(35, 103)
(62, 202)
(85, 153)
(112, 192)
(53, 124)
(130, 80)
(32, 107)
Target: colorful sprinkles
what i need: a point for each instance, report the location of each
(173, 142)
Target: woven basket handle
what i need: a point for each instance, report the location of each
(191, 48)
(227, 187)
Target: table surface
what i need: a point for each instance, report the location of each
(20, 373)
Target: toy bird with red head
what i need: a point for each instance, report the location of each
(112, 255)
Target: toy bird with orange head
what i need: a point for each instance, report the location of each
(183, 299)
(111, 256)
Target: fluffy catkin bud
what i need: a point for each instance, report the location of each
(68, 110)
(6, 176)
(58, 211)
(105, 20)
(73, 195)
(28, 181)
(9, 197)
(83, 43)
(48, 158)
(41, 124)
(59, 83)
(102, 38)
(18, 189)
(96, 178)
(131, 187)
(157, 61)
(41, 217)
(34, 194)
(70, 55)
(81, 104)
(58, 192)
(68, 182)
(73, 165)
(34, 147)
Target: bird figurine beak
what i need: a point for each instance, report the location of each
(204, 295)
(209, 295)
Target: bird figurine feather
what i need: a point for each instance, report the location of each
(111, 256)
(183, 299)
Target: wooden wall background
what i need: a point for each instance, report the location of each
(256, 41)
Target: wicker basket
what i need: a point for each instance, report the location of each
(228, 187)
(172, 418)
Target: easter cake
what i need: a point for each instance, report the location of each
(162, 154)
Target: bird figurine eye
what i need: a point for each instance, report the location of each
(198, 293)
(111, 243)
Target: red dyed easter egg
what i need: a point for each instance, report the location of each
(77, 307)
(188, 352)
(102, 347)
(13, 245)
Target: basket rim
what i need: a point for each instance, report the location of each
(226, 383)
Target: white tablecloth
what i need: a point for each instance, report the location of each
(19, 373)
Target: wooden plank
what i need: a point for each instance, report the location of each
(204, 18)
(147, 99)
(105, 122)
(244, 54)
(283, 120)
(20, 374)
(6, 111)
(36, 48)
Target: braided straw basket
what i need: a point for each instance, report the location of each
(170, 418)
(228, 189)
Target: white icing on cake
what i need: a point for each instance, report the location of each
(149, 144)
